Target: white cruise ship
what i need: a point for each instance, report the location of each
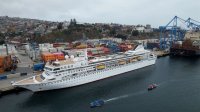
(78, 69)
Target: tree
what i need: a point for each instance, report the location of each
(2, 42)
(112, 32)
(123, 37)
(73, 23)
(60, 26)
(135, 33)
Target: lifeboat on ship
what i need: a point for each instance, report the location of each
(101, 66)
(121, 62)
(133, 59)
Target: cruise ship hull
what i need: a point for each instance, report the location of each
(90, 77)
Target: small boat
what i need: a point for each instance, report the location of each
(97, 103)
(152, 86)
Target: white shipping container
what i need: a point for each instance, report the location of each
(44, 49)
(43, 52)
(52, 50)
(179, 42)
(2, 51)
(27, 47)
(47, 45)
(51, 45)
(40, 45)
(59, 49)
(11, 50)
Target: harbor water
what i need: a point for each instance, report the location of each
(178, 90)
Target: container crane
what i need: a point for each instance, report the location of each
(173, 31)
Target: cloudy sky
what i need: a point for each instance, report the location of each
(154, 12)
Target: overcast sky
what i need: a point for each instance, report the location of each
(154, 12)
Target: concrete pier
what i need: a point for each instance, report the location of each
(161, 53)
(6, 86)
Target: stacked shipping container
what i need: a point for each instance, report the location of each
(52, 56)
(5, 63)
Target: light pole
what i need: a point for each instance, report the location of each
(6, 47)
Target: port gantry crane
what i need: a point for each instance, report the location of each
(174, 31)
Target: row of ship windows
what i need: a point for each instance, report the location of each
(73, 71)
(71, 66)
(63, 80)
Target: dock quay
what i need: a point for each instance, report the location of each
(6, 86)
(161, 53)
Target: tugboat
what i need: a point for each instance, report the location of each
(97, 103)
(152, 86)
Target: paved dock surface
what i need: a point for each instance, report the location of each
(5, 85)
(161, 53)
(24, 60)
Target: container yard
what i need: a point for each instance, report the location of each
(42, 53)
(53, 51)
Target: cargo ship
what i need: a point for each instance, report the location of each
(78, 69)
(190, 46)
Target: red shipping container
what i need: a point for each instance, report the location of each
(48, 57)
(59, 55)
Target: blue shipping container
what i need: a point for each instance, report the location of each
(38, 66)
(3, 77)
